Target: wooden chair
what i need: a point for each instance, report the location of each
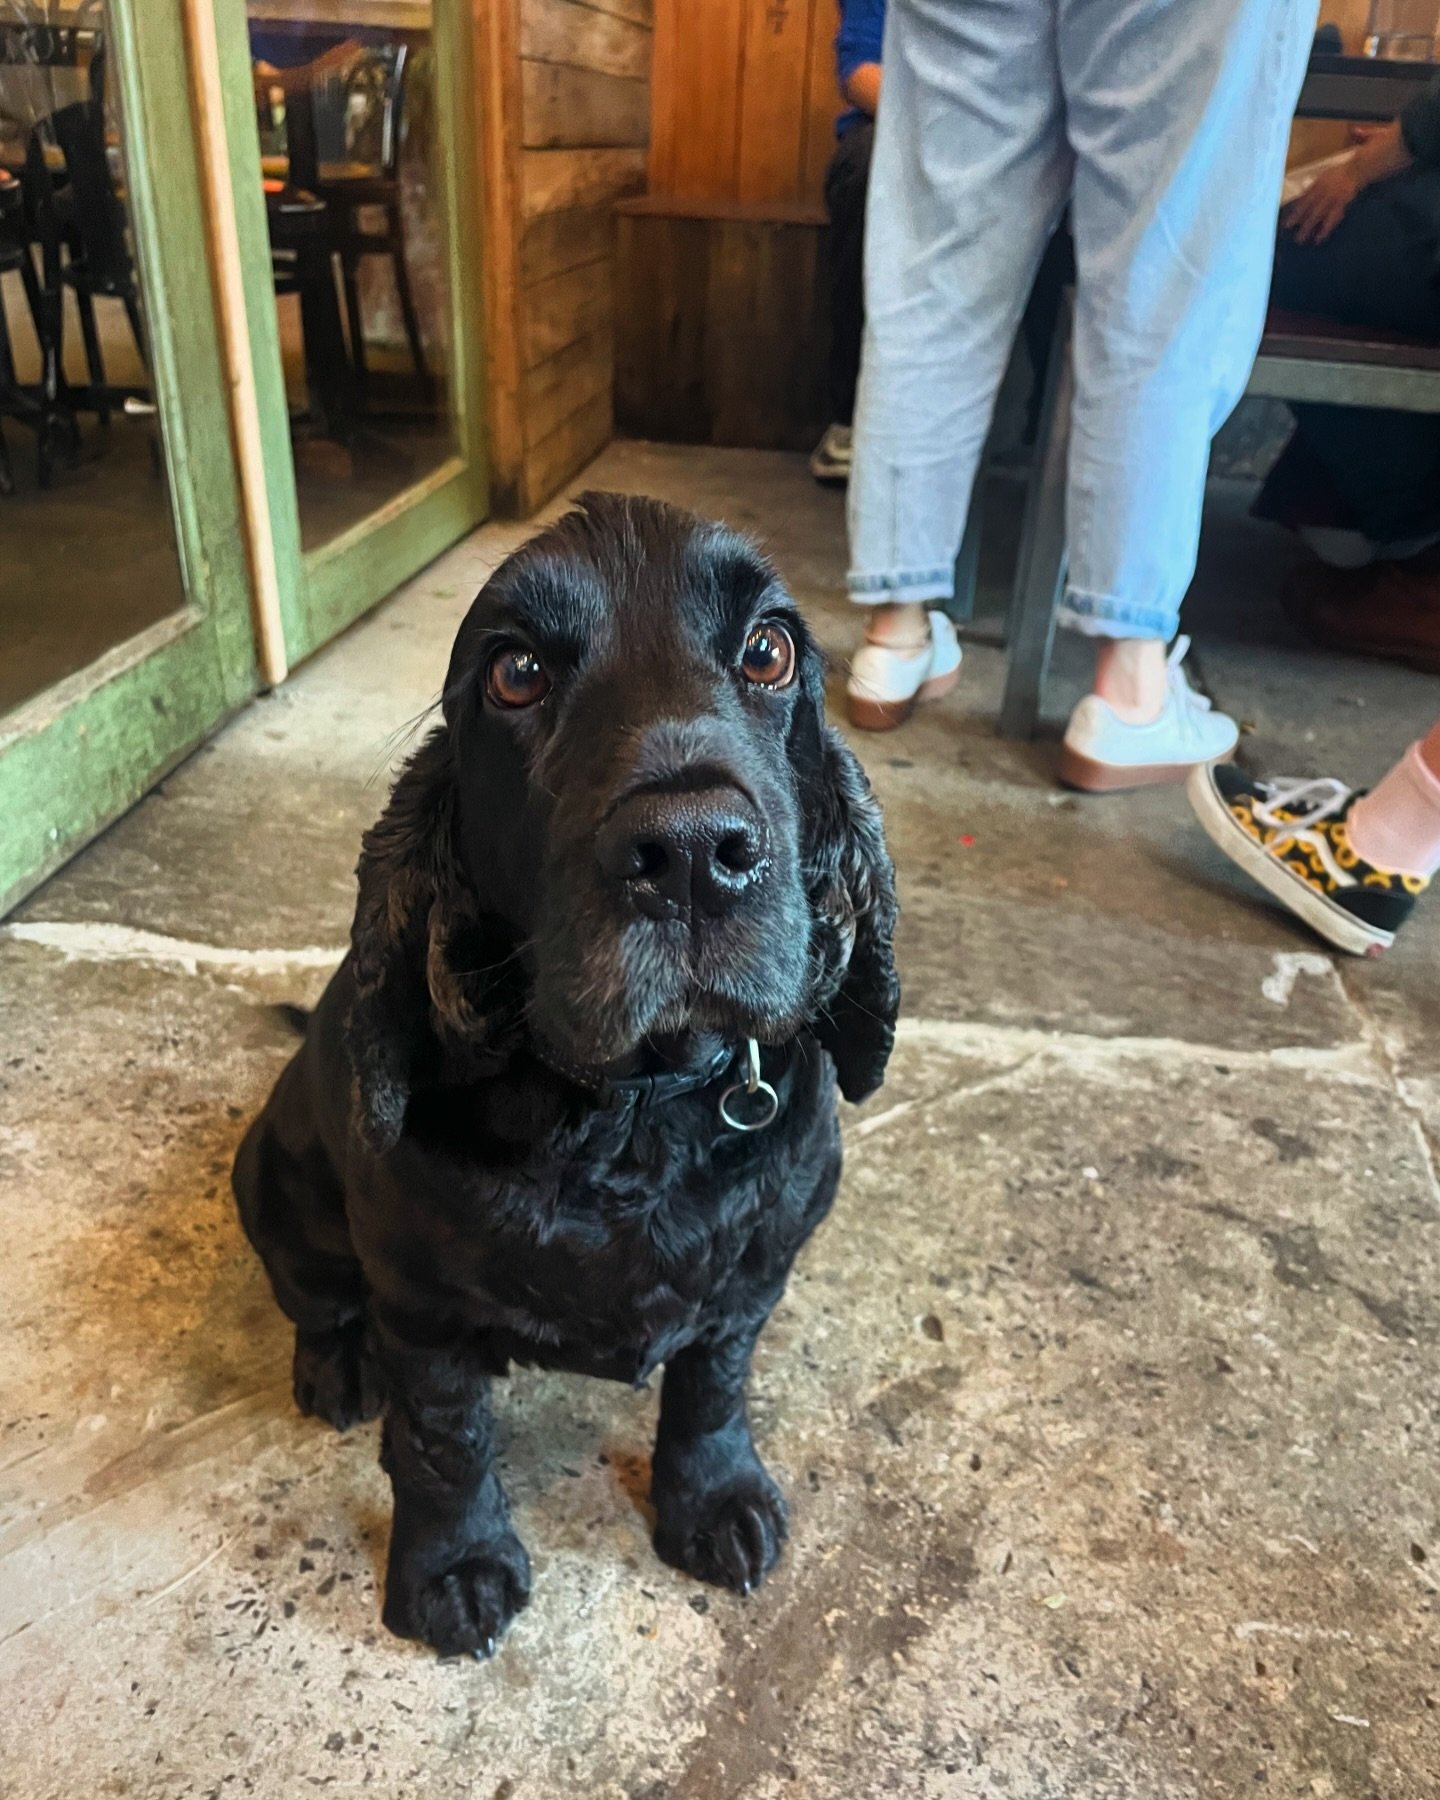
(353, 189)
(94, 233)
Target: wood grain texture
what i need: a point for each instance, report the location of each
(566, 107)
(564, 100)
(554, 242)
(207, 101)
(699, 51)
(776, 64)
(639, 12)
(582, 436)
(556, 312)
(822, 100)
(765, 337)
(561, 180)
(753, 212)
(721, 331)
(743, 98)
(561, 31)
(568, 381)
(662, 281)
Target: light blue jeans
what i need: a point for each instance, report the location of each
(1164, 123)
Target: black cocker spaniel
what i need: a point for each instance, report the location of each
(570, 1098)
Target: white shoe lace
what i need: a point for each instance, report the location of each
(1186, 700)
(1179, 683)
(1308, 800)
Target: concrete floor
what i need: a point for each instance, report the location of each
(1107, 1401)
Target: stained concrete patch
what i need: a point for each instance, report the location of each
(1105, 1402)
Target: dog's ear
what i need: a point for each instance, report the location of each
(412, 946)
(851, 884)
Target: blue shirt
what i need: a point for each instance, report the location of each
(862, 30)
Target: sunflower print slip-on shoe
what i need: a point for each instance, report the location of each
(1291, 837)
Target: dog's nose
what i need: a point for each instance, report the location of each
(672, 853)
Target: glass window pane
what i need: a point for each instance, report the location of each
(87, 544)
(360, 248)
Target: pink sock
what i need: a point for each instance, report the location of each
(1397, 824)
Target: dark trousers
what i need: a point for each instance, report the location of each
(1374, 472)
(846, 181)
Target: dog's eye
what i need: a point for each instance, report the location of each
(516, 677)
(769, 656)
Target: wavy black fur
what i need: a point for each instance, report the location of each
(434, 1201)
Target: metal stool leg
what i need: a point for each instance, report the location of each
(1040, 572)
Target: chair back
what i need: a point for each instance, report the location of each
(97, 213)
(358, 111)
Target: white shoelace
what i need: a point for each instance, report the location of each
(1310, 799)
(1187, 701)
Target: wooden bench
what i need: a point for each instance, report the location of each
(722, 323)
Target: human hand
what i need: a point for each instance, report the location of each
(1315, 213)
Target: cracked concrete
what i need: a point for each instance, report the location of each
(1106, 1402)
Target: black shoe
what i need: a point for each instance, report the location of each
(1291, 836)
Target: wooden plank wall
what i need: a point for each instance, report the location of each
(723, 329)
(743, 104)
(570, 81)
(744, 101)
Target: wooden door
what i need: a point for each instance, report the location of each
(125, 632)
(352, 141)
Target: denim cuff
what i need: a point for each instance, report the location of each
(1101, 615)
(901, 587)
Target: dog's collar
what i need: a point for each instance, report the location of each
(758, 1108)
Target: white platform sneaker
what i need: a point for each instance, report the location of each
(1101, 753)
(886, 685)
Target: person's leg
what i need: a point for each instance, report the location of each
(1376, 267)
(1396, 826)
(1379, 470)
(1361, 470)
(969, 174)
(1179, 130)
(1350, 865)
(846, 181)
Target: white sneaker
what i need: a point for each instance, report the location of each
(1101, 753)
(886, 685)
(830, 459)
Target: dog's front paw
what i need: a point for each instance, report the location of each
(730, 1535)
(464, 1607)
(335, 1376)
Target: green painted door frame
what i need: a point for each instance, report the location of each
(324, 590)
(76, 756)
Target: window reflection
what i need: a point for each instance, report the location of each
(87, 545)
(359, 246)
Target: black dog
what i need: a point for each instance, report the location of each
(532, 1120)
